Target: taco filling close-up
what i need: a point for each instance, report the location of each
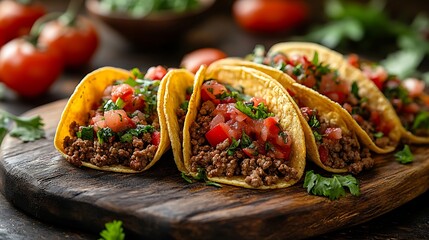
(407, 96)
(324, 78)
(121, 130)
(236, 135)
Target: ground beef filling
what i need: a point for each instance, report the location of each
(346, 153)
(136, 154)
(181, 115)
(258, 171)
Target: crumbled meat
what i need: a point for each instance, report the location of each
(136, 155)
(181, 115)
(346, 153)
(258, 171)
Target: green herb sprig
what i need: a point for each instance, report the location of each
(200, 176)
(333, 187)
(27, 129)
(113, 231)
(404, 156)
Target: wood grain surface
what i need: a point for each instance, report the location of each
(159, 204)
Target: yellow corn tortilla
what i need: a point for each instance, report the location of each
(256, 84)
(349, 74)
(87, 94)
(177, 81)
(327, 109)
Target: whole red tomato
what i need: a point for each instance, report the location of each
(16, 18)
(204, 56)
(77, 42)
(269, 16)
(28, 69)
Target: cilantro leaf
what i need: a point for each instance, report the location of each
(245, 140)
(233, 147)
(113, 231)
(186, 177)
(259, 112)
(201, 176)
(317, 136)
(378, 134)
(315, 59)
(421, 121)
(104, 134)
(27, 128)
(355, 90)
(313, 122)
(404, 156)
(333, 187)
(110, 105)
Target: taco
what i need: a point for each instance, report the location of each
(177, 93)
(330, 141)
(326, 72)
(407, 97)
(242, 129)
(114, 121)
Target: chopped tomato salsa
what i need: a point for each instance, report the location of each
(407, 96)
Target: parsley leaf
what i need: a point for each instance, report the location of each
(421, 121)
(315, 59)
(245, 140)
(313, 122)
(27, 128)
(110, 105)
(233, 147)
(113, 231)
(86, 133)
(184, 105)
(333, 187)
(404, 156)
(378, 134)
(104, 134)
(259, 112)
(317, 136)
(355, 90)
(201, 176)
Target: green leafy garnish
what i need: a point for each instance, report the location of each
(233, 147)
(104, 134)
(200, 176)
(404, 156)
(245, 140)
(313, 122)
(397, 92)
(113, 231)
(149, 90)
(138, 131)
(317, 136)
(421, 121)
(315, 59)
(333, 187)
(259, 112)
(378, 134)
(120, 103)
(110, 105)
(86, 133)
(26, 128)
(184, 105)
(258, 55)
(355, 90)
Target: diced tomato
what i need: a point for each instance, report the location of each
(278, 58)
(385, 127)
(156, 138)
(348, 107)
(257, 100)
(210, 89)
(358, 118)
(333, 133)
(337, 96)
(250, 152)
(323, 154)
(118, 121)
(375, 118)
(271, 123)
(306, 110)
(378, 75)
(397, 104)
(123, 91)
(282, 140)
(219, 118)
(353, 59)
(309, 81)
(411, 108)
(414, 86)
(281, 153)
(136, 103)
(155, 73)
(218, 134)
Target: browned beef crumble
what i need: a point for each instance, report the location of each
(258, 171)
(346, 152)
(136, 155)
(181, 115)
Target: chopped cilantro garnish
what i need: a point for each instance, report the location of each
(378, 134)
(421, 121)
(184, 105)
(86, 133)
(120, 103)
(313, 122)
(317, 136)
(315, 59)
(245, 140)
(201, 176)
(355, 90)
(298, 70)
(284, 136)
(404, 156)
(27, 128)
(137, 73)
(397, 92)
(268, 146)
(333, 187)
(186, 177)
(110, 105)
(138, 131)
(233, 147)
(259, 112)
(189, 90)
(259, 54)
(104, 134)
(113, 231)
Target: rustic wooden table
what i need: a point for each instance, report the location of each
(410, 221)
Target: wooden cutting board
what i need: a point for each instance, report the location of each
(159, 204)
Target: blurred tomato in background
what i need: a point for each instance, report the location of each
(17, 17)
(270, 16)
(204, 56)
